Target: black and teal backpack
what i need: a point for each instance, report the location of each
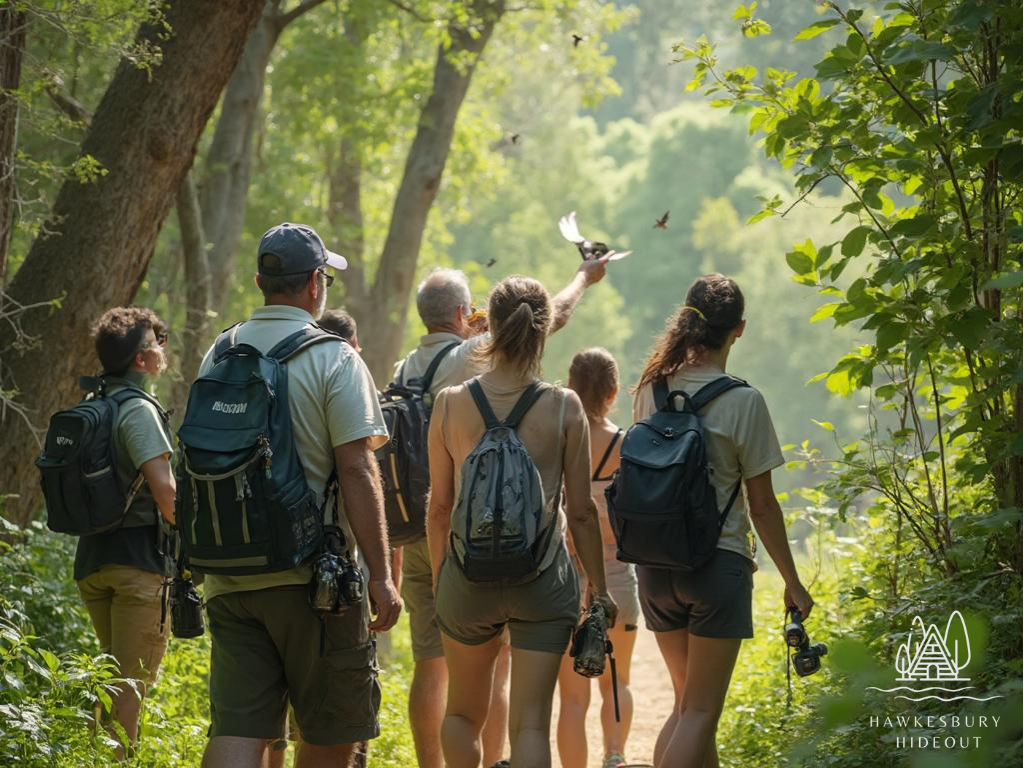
(244, 505)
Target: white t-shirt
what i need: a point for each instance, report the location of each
(741, 444)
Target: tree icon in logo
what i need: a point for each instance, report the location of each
(934, 657)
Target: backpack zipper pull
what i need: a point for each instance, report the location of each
(268, 456)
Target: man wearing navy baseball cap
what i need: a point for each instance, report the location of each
(268, 647)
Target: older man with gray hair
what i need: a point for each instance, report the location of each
(443, 301)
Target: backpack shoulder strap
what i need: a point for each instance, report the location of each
(294, 343)
(659, 388)
(225, 341)
(525, 403)
(428, 376)
(490, 420)
(130, 393)
(604, 459)
(710, 391)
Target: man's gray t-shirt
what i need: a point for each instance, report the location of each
(458, 365)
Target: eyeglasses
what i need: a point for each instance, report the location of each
(328, 279)
(160, 343)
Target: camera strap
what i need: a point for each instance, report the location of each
(615, 682)
(785, 661)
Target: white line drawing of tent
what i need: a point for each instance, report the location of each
(931, 659)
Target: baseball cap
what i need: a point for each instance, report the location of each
(291, 249)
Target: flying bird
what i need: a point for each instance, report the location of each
(662, 223)
(515, 138)
(588, 250)
(490, 263)
(577, 39)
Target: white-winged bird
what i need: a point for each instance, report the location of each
(588, 250)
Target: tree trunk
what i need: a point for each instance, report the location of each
(228, 162)
(197, 290)
(12, 46)
(387, 304)
(144, 135)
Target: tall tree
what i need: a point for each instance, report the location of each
(12, 46)
(384, 305)
(228, 162)
(143, 137)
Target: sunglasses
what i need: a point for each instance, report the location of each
(328, 279)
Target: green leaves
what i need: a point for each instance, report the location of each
(853, 243)
(815, 29)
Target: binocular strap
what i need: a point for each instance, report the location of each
(615, 682)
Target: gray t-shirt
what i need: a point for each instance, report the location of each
(332, 401)
(458, 365)
(741, 444)
(139, 435)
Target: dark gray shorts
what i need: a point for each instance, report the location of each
(712, 602)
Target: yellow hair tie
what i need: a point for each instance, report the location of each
(699, 313)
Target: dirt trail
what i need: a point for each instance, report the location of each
(652, 697)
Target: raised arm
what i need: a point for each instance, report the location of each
(565, 301)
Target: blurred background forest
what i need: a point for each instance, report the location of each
(335, 117)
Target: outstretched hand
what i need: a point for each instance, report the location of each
(385, 605)
(593, 270)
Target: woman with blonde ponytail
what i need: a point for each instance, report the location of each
(541, 612)
(701, 617)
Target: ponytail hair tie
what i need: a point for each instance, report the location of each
(697, 311)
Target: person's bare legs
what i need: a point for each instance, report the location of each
(235, 752)
(708, 665)
(617, 733)
(334, 756)
(534, 674)
(426, 710)
(496, 727)
(470, 678)
(573, 702)
(674, 647)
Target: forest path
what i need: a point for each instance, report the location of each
(652, 703)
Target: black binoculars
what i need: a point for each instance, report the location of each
(806, 657)
(337, 583)
(186, 607)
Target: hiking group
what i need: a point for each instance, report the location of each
(502, 508)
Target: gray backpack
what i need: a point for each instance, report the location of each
(502, 524)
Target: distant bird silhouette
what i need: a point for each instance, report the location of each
(515, 138)
(490, 263)
(662, 223)
(577, 39)
(588, 250)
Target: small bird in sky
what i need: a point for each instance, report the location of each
(577, 39)
(662, 223)
(588, 250)
(490, 263)
(515, 138)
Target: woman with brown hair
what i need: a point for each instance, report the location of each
(540, 610)
(594, 377)
(701, 617)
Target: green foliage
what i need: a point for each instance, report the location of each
(916, 113)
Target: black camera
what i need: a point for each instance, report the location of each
(806, 656)
(590, 643)
(186, 607)
(337, 583)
